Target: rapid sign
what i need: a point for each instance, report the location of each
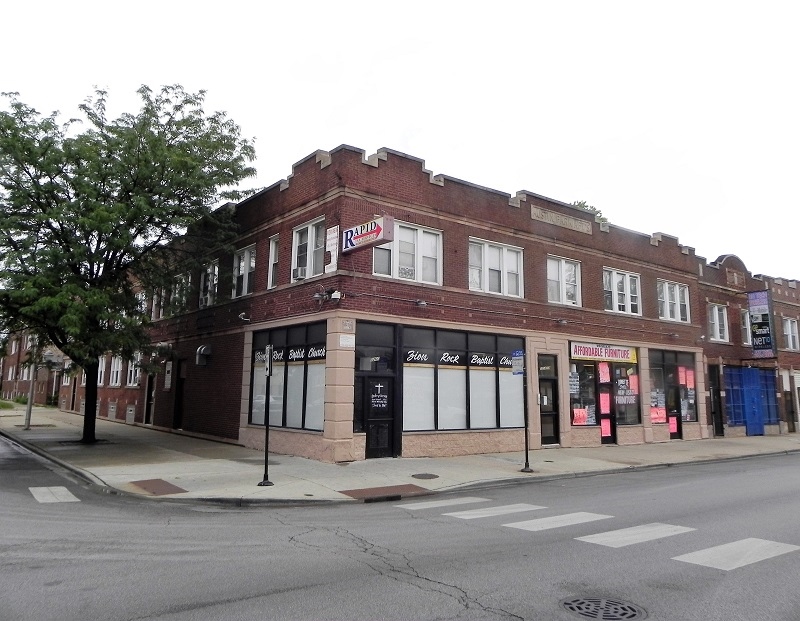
(372, 233)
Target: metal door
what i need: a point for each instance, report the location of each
(548, 410)
(754, 402)
(378, 404)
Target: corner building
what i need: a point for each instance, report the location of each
(403, 313)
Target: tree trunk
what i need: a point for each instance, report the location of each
(90, 405)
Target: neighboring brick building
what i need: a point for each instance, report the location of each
(16, 373)
(407, 347)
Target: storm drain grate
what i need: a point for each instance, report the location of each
(605, 609)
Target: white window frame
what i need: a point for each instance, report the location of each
(209, 277)
(308, 250)
(66, 378)
(101, 370)
(790, 334)
(508, 268)
(244, 271)
(272, 274)
(83, 377)
(180, 293)
(747, 332)
(26, 373)
(11, 373)
(557, 275)
(422, 260)
(673, 301)
(624, 297)
(14, 344)
(115, 376)
(718, 323)
(133, 370)
(28, 341)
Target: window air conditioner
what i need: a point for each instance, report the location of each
(299, 273)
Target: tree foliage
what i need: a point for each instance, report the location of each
(92, 211)
(587, 207)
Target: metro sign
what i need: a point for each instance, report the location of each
(372, 233)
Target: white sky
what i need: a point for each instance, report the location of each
(681, 117)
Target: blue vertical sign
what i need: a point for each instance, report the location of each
(518, 362)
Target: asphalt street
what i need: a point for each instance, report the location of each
(711, 541)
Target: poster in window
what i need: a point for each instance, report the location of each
(634, 383)
(682, 376)
(658, 415)
(605, 427)
(604, 372)
(605, 403)
(673, 424)
(689, 378)
(579, 416)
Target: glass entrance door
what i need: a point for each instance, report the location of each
(548, 410)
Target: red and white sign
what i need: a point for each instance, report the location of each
(372, 233)
(597, 351)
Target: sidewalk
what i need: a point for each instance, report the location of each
(146, 462)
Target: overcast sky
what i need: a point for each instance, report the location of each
(678, 117)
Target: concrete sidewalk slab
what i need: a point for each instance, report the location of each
(151, 463)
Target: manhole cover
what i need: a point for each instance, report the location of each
(605, 609)
(424, 475)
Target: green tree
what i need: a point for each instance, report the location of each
(587, 207)
(93, 209)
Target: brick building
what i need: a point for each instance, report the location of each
(412, 314)
(17, 372)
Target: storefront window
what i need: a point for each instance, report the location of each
(673, 387)
(604, 384)
(294, 395)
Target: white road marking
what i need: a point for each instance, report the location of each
(493, 511)
(636, 534)
(737, 554)
(431, 504)
(557, 521)
(53, 494)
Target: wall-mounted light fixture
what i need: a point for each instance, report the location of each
(562, 322)
(244, 317)
(323, 295)
(201, 355)
(673, 335)
(420, 302)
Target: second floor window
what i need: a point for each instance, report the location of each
(133, 370)
(208, 284)
(10, 372)
(101, 370)
(272, 279)
(180, 293)
(244, 269)
(115, 377)
(790, 333)
(621, 292)
(563, 281)
(747, 336)
(717, 322)
(494, 268)
(308, 251)
(673, 301)
(415, 254)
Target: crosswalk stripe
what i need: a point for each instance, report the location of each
(737, 554)
(636, 534)
(53, 494)
(432, 504)
(557, 521)
(493, 511)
